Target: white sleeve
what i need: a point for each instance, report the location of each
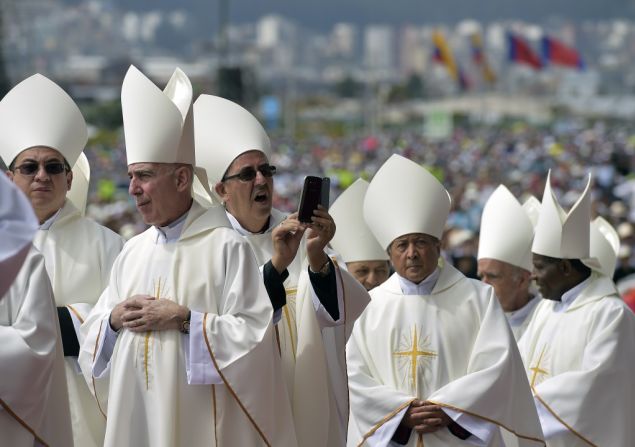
(198, 364)
(323, 317)
(105, 348)
(550, 425)
(384, 434)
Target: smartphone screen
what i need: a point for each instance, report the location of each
(311, 196)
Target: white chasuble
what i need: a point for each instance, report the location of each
(580, 364)
(79, 254)
(33, 398)
(312, 345)
(452, 347)
(211, 270)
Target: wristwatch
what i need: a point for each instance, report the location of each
(324, 270)
(185, 325)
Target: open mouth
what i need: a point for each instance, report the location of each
(261, 197)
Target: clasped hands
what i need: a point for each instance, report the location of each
(425, 417)
(141, 313)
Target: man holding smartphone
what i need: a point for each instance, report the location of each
(315, 302)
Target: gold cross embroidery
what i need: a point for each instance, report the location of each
(537, 368)
(412, 354)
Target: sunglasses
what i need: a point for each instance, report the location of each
(30, 168)
(249, 173)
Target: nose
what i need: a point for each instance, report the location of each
(41, 174)
(133, 188)
(411, 252)
(260, 179)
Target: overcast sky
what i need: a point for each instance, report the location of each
(321, 14)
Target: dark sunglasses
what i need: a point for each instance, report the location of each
(30, 168)
(249, 173)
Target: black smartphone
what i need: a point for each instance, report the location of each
(315, 192)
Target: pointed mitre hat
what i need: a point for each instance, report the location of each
(224, 130)
(78, 194)
(559, 234)
(506, 230)
(158, 124)
(404, 198)
(605, 245)
(37, 112)
(353, 239)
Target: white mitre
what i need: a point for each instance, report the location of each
(18, 225)
(506, 230)
(605, 245)
(158, 124)
(78, 194)
(37, 112)
(353, 239)
(404, 198)
(563, 235)
(224, 130)
(532, 207)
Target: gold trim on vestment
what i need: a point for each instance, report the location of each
(8, 409)
(348, 393)
(582, 438)
(492, 421)
(383, 421)
(91, 373)
(233, 393)
(79, 317)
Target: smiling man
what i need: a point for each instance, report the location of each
(42, 133)
(431, 360)
(578, 349)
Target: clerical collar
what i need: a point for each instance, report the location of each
(570, 295)
(517, 317)
(242, 231)
(46, 225)
(423, 288)
(171, 232)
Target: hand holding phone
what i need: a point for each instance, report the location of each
(315, 192)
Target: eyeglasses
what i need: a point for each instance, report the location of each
(249, 173)
(30, 168)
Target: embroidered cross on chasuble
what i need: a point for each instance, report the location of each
(144, 344)
(411, 348)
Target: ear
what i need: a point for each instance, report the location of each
(69, 180)
(221, 190)
(9, 174)
(565, 267)
(183, 178)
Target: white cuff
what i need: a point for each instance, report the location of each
(482, 431)
(383, 435)
(105, 348)
(198, 363)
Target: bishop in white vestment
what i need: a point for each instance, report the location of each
(578, 350)
(180, 345)
(431, 360)
(315, 299)
(42, 135)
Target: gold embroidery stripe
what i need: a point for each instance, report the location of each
(231, 390)
(22, 422)
(287, 317)
(383, 421)
(145, 355)
(492, 421)
(79, 317)
(215, 419)
(291, 291)
(92, 376)
(582, 438)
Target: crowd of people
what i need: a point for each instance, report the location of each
(212, 313)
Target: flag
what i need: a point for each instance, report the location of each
(555, 52)
(479, 58)
(443, 55)
(521, 53)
